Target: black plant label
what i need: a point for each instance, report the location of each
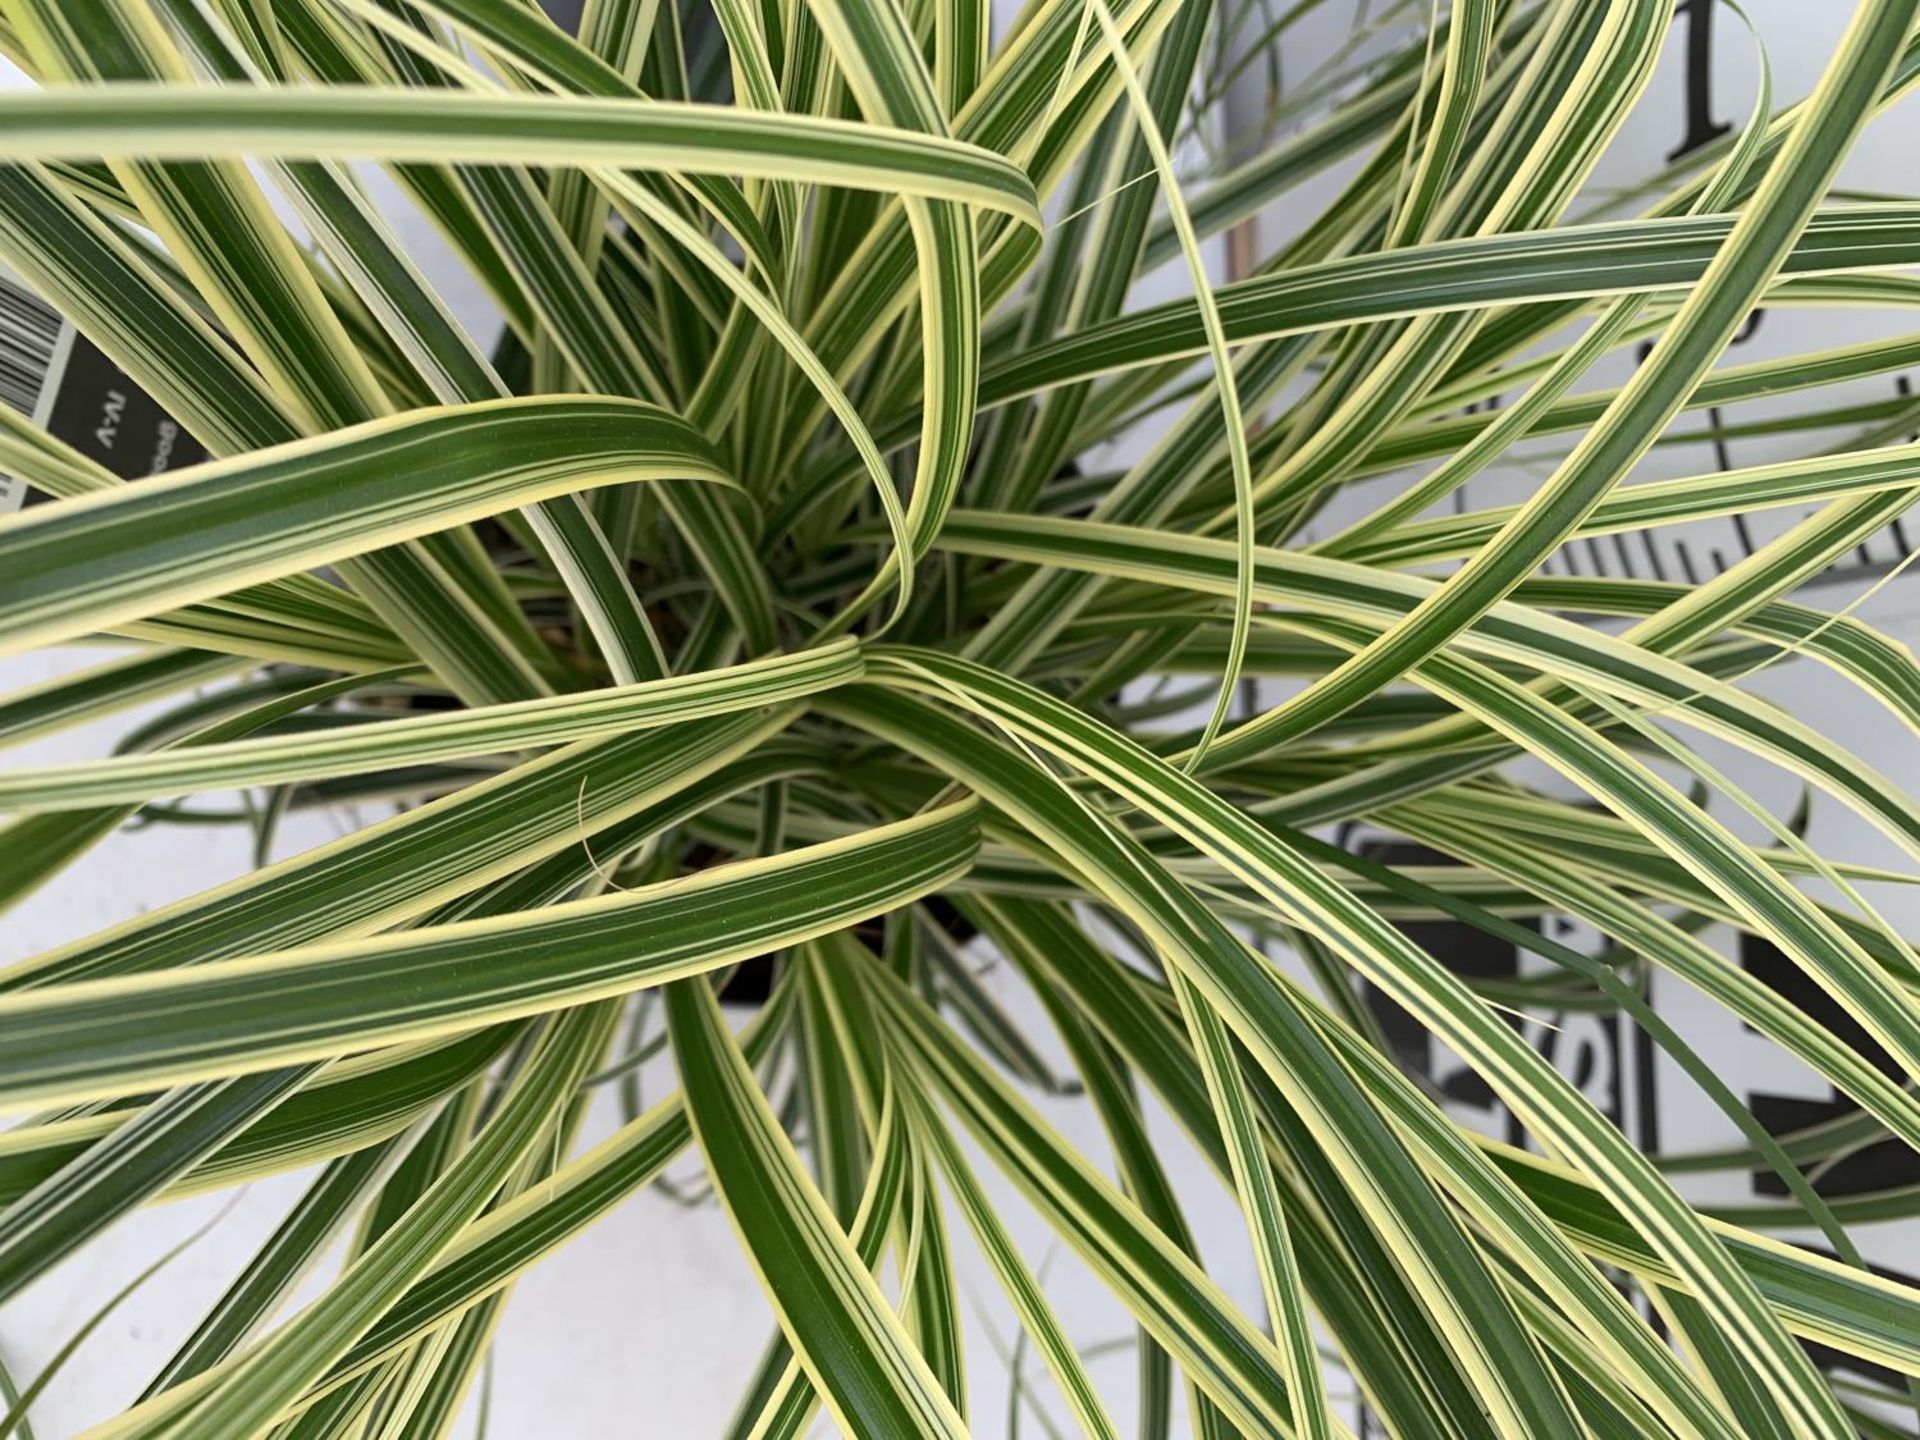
(61, 381)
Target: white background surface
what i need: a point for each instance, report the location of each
(649, 1324)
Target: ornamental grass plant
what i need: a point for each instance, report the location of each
(836, 571)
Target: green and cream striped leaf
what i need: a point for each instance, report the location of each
(218, 227)
(381, 744)
(115, 1036)
(1705, 323)
(148, 674)
(1259, 1196)
(1449, 1280)
(266, 1379)
(350, 1105)
(474, 843)
(888, 76)
(139, 1159)
(1169, 1293)
(340, 122)
(316, 1217)
(1150, 1035)
(1020, 1284)
(1629, 671)
(488, 1254)
(1659, 502)
(839, 1324)
(1567, 262)
(105, 559)
(1551, 1108)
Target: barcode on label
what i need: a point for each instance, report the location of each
(34, 345)
(29, 341)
